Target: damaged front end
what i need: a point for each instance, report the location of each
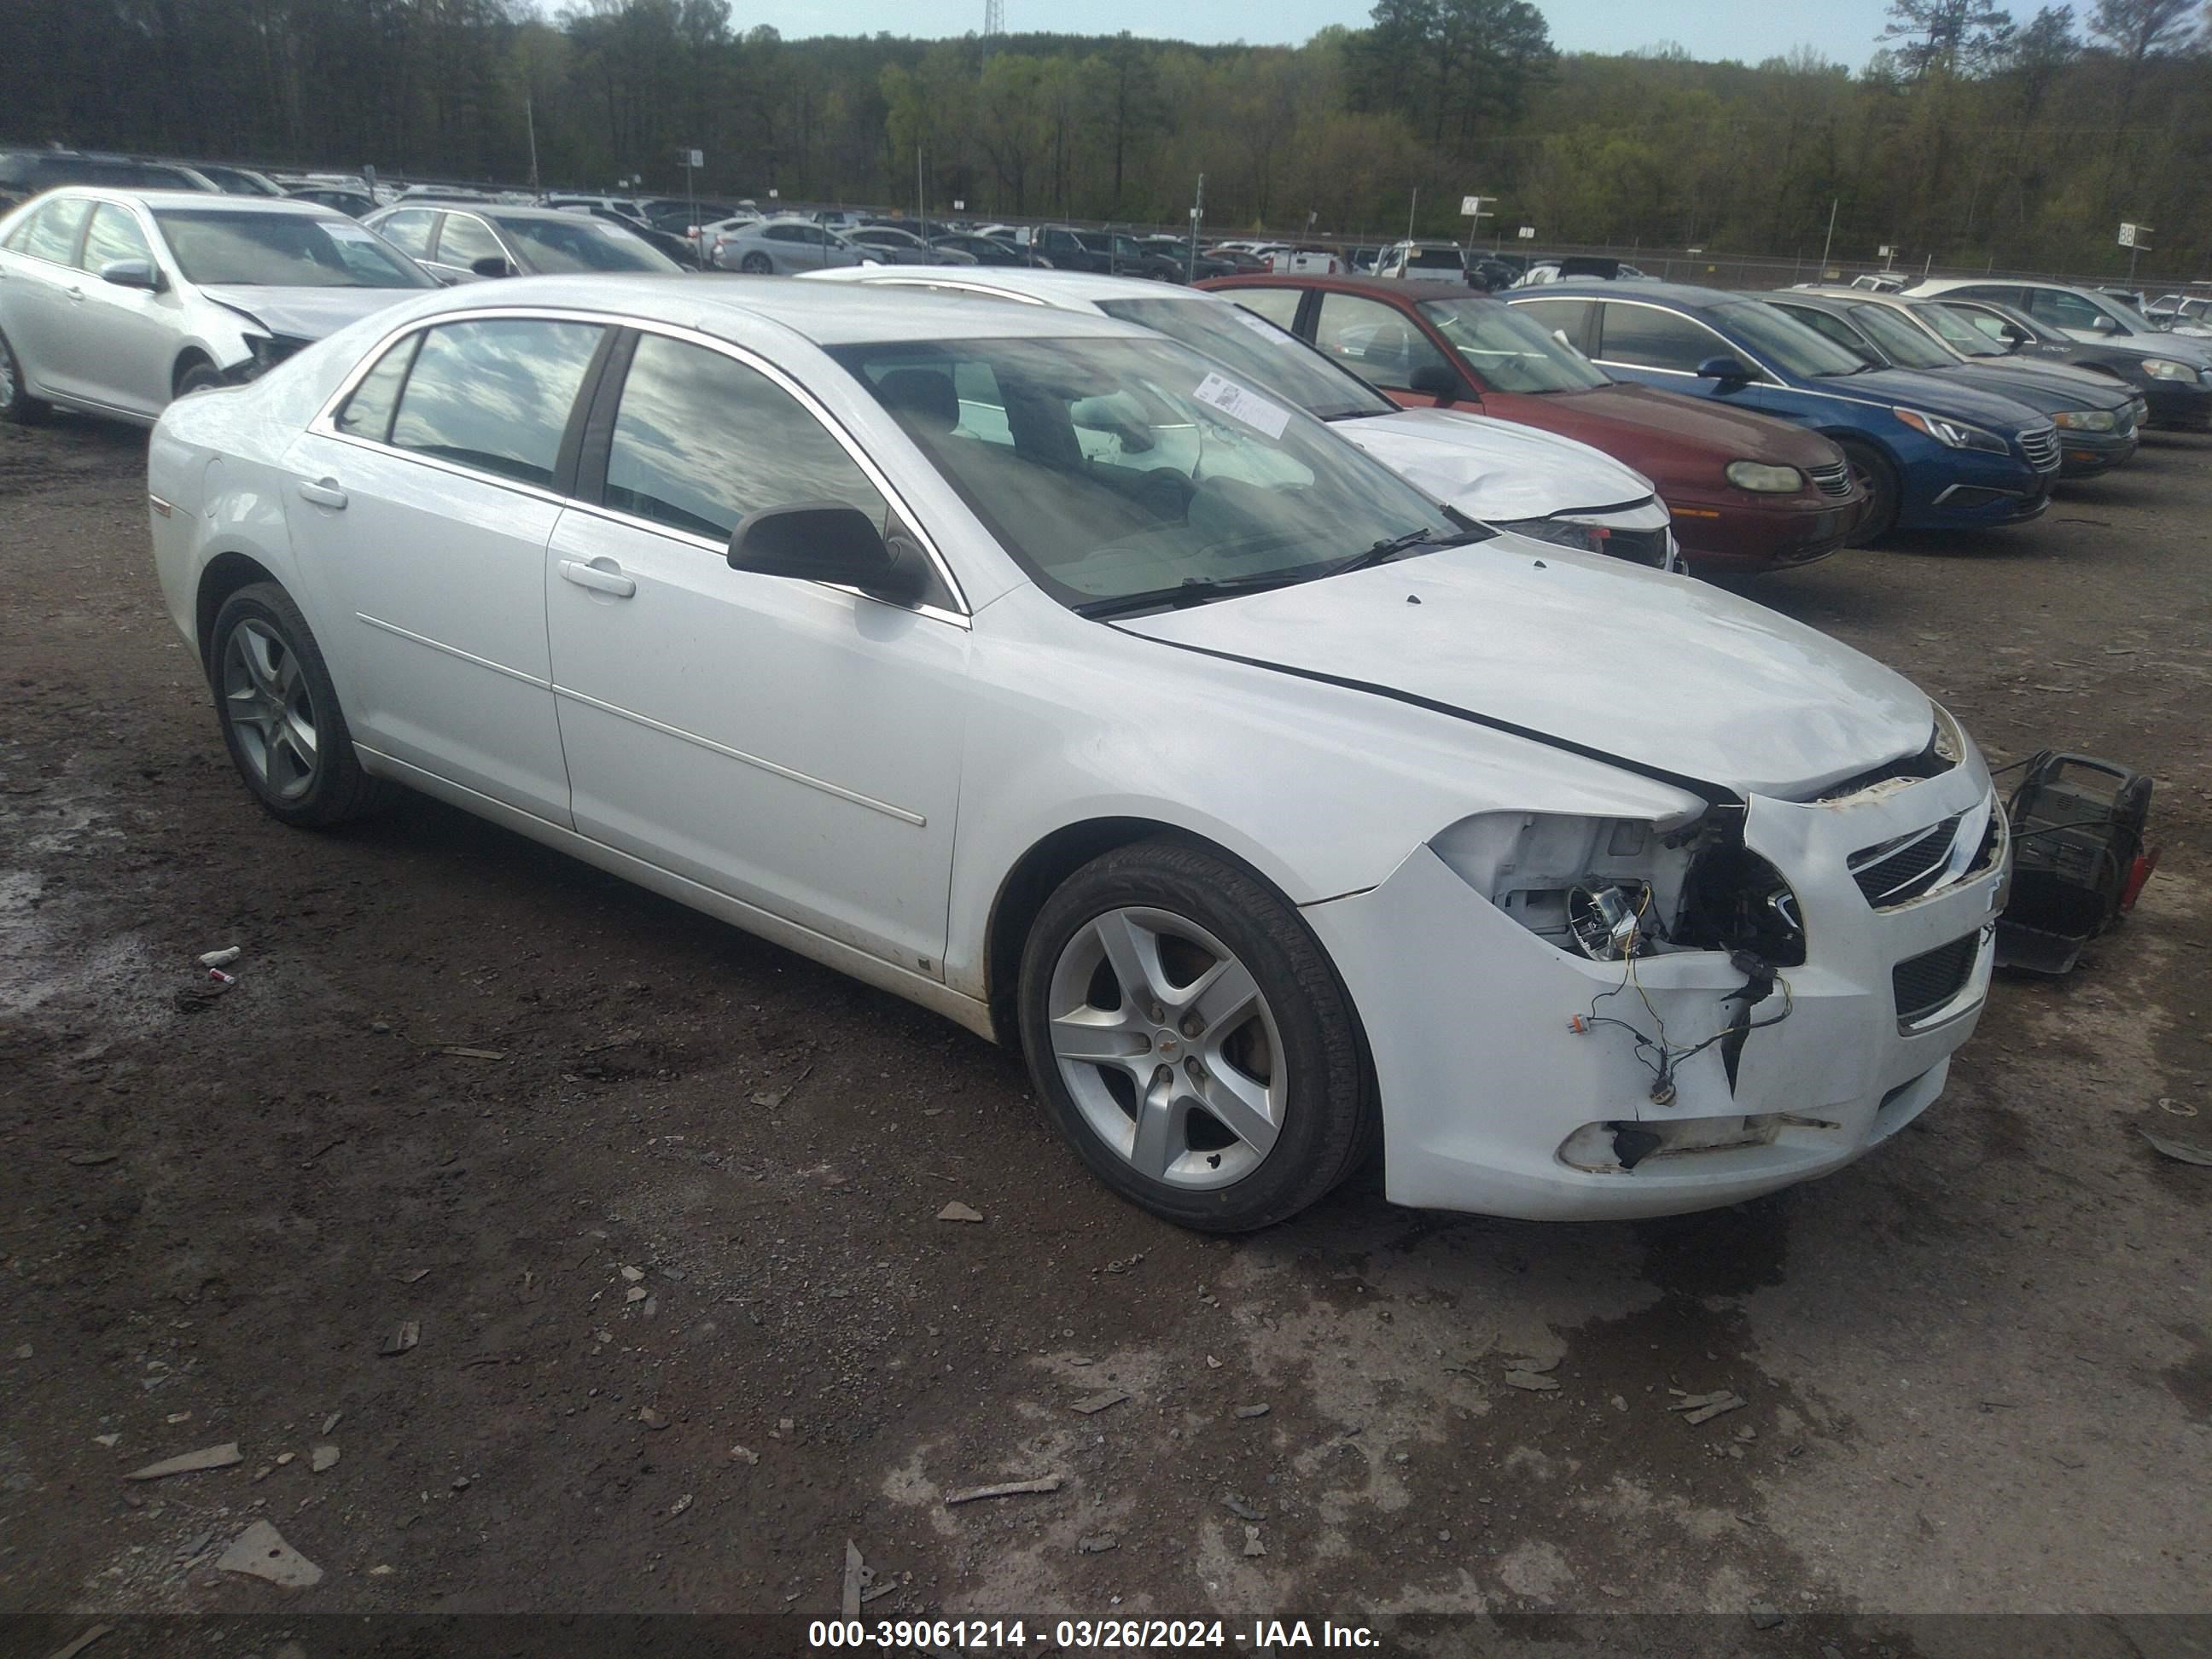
(1649, 1016)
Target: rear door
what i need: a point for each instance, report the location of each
(422, 508)
(42, 295)
(793, 745)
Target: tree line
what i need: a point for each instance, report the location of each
(1969, 135)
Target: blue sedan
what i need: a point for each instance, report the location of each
(1934, 455)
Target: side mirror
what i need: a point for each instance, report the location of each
(132, 273)
(819, 541)
(2104, 325)
(1435, 381)
(1729, 371)
(491, 266)
(2014, 338)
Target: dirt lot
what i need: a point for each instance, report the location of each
(1978, 1365)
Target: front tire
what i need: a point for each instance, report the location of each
(1188, 1035)
(17, 406)
(197, 375)
(280, 713)
(1873, 470)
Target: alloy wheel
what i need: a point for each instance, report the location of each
(266, 699)
(8, 387)
(1169, 1047)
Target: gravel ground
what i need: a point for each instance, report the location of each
(1976, 1366)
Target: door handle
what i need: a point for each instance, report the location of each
(598, 580)
(76, 295)
(323, 493)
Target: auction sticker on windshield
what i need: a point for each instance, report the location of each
(1242, 404)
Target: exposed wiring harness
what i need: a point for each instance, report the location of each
(1655, 1052)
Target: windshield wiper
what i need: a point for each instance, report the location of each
(1196, 590)
(1384, 551)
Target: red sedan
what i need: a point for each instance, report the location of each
(1748, 493)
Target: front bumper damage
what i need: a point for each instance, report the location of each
(1493, 1102)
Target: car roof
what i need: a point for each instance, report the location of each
(827, 313)
(1063, 287)
(1383, 287)
(199, 200)
(1684, 294)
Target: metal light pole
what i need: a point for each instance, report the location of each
(530, 121)
(1410, 206)
(1197, 218)
(1834, 203)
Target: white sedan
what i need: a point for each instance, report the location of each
(1029, 665)
(1514, 476)
(112, 302)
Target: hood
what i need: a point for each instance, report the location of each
(2097, 391)
(1493, 470)
(2041, 391)
(1938, 393)
(308, 313)
(1667, 433)
(1669, 674)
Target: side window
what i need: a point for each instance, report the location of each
(114, 234)
(700, 440)
(1279, 306)
(781, 234)
(1567, 317)
(2061, 310)
(1645, 337)
(53, 231)
(367, 410)
(1835, 328)
(495, 395)
(1377, 342)
(409, 231)
(466, 239)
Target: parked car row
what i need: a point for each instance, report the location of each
(1058, 651)
(1909, 428)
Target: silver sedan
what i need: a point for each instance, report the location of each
(784, 248)
(113, 302)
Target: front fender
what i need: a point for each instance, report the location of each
(1322, 789)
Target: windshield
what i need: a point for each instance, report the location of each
(1435, 258)
(1126, 469)
(282, 250)
(573, 242)
(1783, 341)
(1899, 340)
(1510, 352)
(1271, 361)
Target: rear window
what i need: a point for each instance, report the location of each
(495, 395)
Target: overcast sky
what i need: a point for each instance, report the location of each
(1843, 30)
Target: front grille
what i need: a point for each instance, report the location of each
(1897, 871)
(2040, 445)
(1926, 982)
(1834, 480)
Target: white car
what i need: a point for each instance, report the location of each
(783, 247)
(112, 302)
(1514, 476)
(1028, 664)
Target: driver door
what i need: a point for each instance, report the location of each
(793, 745)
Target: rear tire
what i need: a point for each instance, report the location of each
(1874, 470)
(1230, 1089)
(17, 406)
(280, 715)
(757, 264)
